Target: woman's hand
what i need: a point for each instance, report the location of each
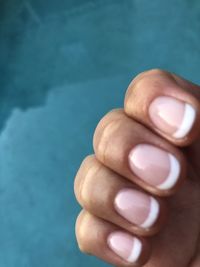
(140, 192)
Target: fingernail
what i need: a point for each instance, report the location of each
(137, 207)
(172, 116)
(125, 246)
(155, 166)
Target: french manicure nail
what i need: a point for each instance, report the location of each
(137, 207)
(172, 116)
(155, 166)
(125, 246)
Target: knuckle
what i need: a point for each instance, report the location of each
(78, 181)
(104, 131)
(143, 78)
(86, 173)
(87, 162)
(153, 72)
(82, 233)
(82, 245)
(141, 82)
(87, 187)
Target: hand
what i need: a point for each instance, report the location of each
(140, 192)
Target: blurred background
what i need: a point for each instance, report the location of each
(63, 65)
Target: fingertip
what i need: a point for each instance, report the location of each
(166, 106)
(175, 119)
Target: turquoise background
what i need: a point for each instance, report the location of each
(63, 65)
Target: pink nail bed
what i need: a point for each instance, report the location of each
(172, 116)
(155, 166)
(137, 207)
(125, 246)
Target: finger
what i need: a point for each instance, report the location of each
(109, 196)
(134, 152)
(188, 86)
(109, 242)
(161, 102)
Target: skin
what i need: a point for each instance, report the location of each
(174, 241)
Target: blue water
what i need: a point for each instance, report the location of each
(63, 65)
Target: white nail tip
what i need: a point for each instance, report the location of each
(187, 122)
(136, 251)
(153, 214)
(173, 175)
